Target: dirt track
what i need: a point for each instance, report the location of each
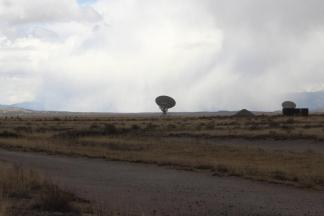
(137, 189)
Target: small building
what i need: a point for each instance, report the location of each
(295, 111)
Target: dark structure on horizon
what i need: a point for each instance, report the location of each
(295, 111)
(244, 113)
(165, 103)
(289, 109)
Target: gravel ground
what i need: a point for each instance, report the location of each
(139, 189)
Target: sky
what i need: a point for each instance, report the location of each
(118, 55)
(86, 2)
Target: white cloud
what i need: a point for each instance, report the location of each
(118, 55)
(43, 11)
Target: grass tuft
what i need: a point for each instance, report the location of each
(23, 192)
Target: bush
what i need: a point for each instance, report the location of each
(8, 134)
(24, 191)
(171, 126)
(17, 182)
(135, 127)
(52, 199)
(151, 126)
(210, 125)
(24, 129)
(279, 175)
(94, 126)
(110, 129)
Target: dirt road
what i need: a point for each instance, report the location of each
(137, 189)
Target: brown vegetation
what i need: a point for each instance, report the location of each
(203, 143)
(24, 192)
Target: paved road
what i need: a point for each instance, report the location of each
(137, 189)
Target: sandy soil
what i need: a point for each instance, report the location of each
(137, 189)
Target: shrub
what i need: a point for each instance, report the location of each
(151, 126)
(94, 126)
(24, 129)
(23, 192)
(17, 183)
(110, 129)
(221, 168)
(8, 134)
(210, 125)
(171, 126)
(52, 199)
(279, 175)
(135, 127)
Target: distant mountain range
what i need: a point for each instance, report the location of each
(9, 109)
(312, 100)
(29, 106)
(15, 110)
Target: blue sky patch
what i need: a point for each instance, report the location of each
(84, 2)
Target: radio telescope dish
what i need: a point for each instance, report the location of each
(288, 105)
(165, 103)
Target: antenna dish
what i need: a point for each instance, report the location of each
(165, 103)
(288, 105)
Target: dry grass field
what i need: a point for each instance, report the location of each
(26, 193)
(269, 148)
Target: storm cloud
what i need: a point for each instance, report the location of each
(118, 55)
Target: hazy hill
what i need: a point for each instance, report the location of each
(29, 106)
(8, 109)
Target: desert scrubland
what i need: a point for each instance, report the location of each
(268, 148)
(25, 192)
